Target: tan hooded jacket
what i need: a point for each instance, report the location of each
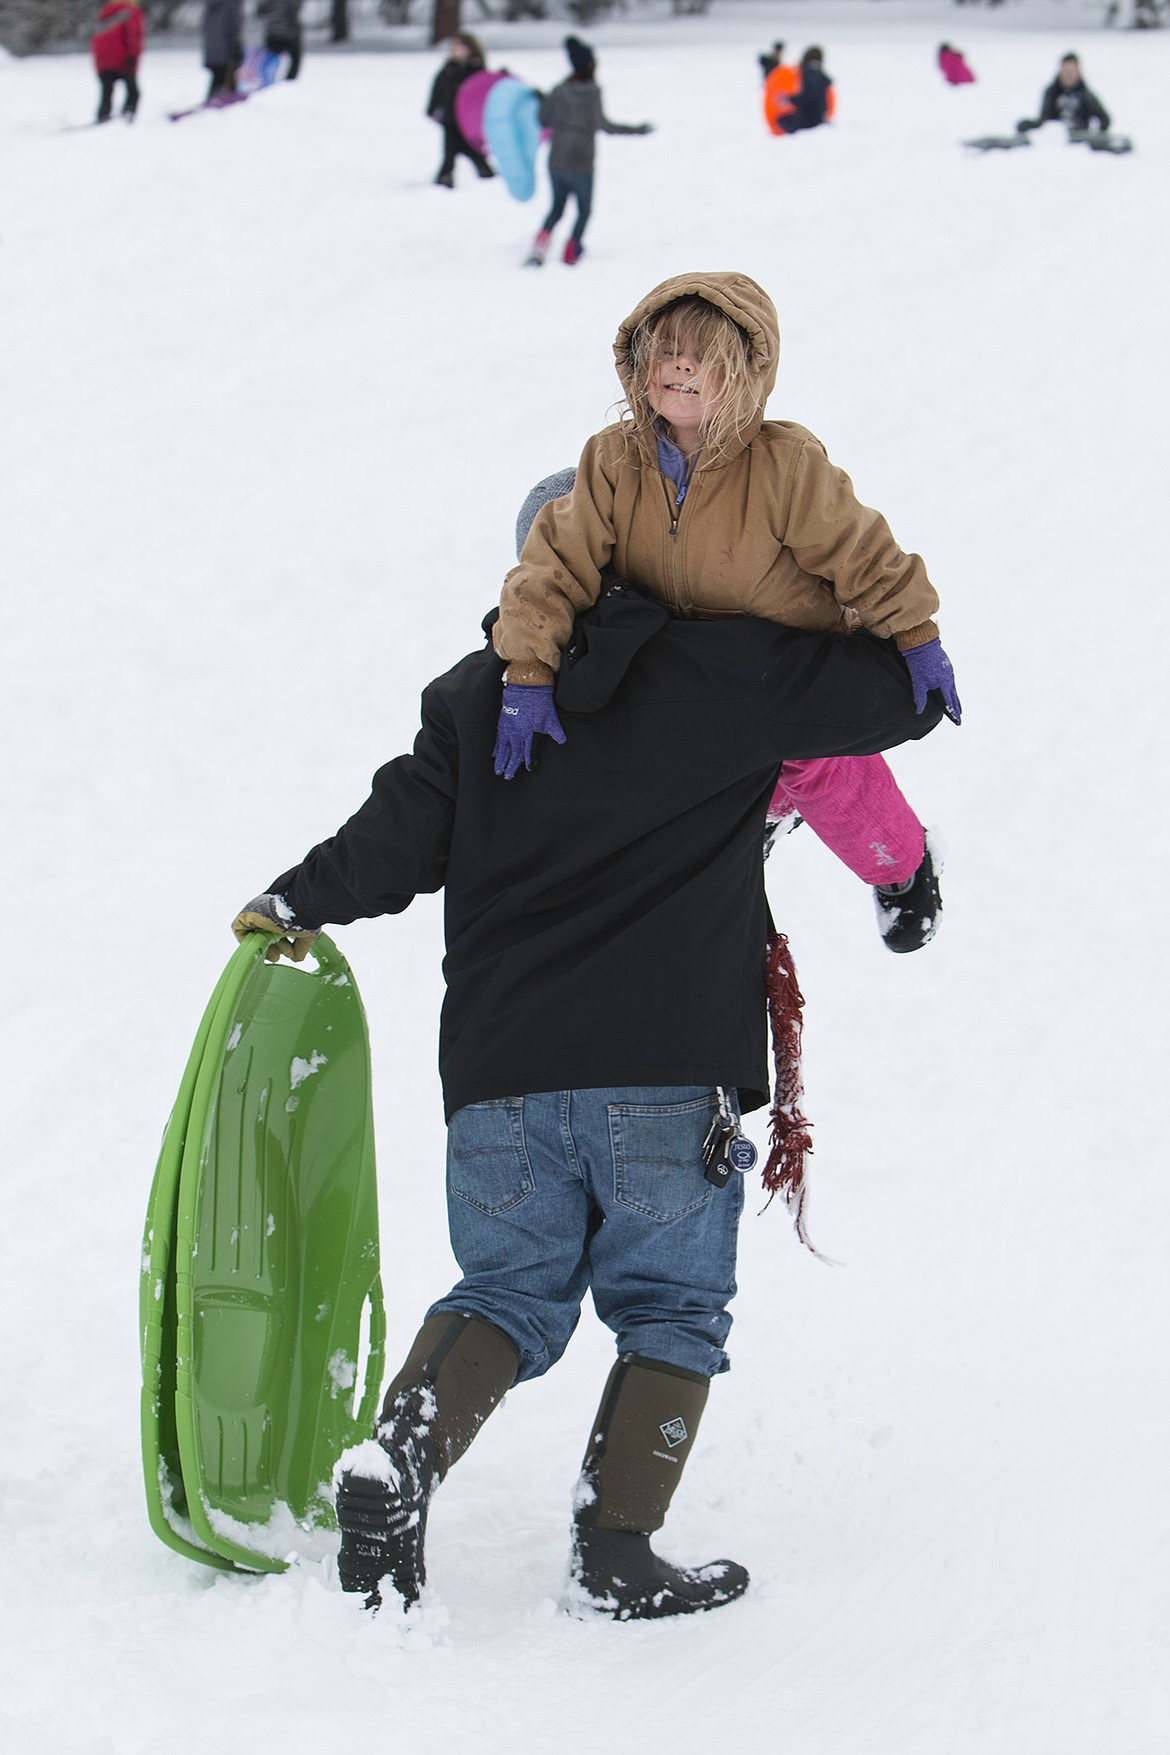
(771, 528)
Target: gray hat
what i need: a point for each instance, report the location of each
(553, 487)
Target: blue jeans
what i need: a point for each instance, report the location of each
(564, 184)
(553, 1195)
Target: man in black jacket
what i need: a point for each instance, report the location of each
(603, 1028)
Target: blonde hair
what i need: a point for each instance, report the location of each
(723, 353)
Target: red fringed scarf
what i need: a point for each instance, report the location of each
(784, 1172)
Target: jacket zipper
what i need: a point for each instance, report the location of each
(674, 512)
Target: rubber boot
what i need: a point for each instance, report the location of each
(642, 1436)
(456, 1372)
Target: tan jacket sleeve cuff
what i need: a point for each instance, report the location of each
(919, 636)
(530, 673)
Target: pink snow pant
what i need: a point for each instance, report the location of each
(855, 806)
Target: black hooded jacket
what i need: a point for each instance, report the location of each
(1074, 105)
(605, 913)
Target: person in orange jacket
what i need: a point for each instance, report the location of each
(799, 97)
(117, 44)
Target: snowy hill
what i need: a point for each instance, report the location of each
(272, 401)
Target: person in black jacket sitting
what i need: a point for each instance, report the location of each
(813, 103)
(609, 971)
(1069, 100)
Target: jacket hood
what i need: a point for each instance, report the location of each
(737, 296)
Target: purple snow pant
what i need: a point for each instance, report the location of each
(855, 806)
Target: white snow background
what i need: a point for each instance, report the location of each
(270, 402)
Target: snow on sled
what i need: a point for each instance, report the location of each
(260, 1282)
(998, 142)
(511, 126)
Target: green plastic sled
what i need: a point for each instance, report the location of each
(166, 1500)
(273, 1265)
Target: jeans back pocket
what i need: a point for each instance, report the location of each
(487, 1160)
(658, 1155)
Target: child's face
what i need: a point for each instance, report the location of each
(682, 394)
(1070, 73)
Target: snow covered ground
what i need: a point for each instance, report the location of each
(270, 403)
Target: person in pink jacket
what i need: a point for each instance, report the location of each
(117, 44)
(953, 67)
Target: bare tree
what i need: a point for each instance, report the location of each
(160, 14)
(445, 20)
(28, 26)
(1146, 14)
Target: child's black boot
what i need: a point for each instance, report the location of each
(908, 914)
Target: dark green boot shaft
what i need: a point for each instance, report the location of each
(457, 1371)
(643, 1434)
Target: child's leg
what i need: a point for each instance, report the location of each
(560, 196)
(855, 806)
(584, 192)
(451, 143)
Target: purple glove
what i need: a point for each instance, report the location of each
(930, 668)
(527, 709)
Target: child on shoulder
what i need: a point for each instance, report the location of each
(714, 511)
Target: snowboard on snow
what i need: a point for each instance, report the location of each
(1093, 138)
(998, 142)
(1097, 141)
(223, 100)
(260, 1286)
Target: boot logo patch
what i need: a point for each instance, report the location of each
(674, 1431)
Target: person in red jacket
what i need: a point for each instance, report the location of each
(117, 43)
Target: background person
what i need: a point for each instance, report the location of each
(953, 67)
(223, 44)
(573, 113)
(465, 56)
(117, 44)
(812, 102)
(1069, 100)
(282, 31)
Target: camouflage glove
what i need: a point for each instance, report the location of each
(272, 914)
